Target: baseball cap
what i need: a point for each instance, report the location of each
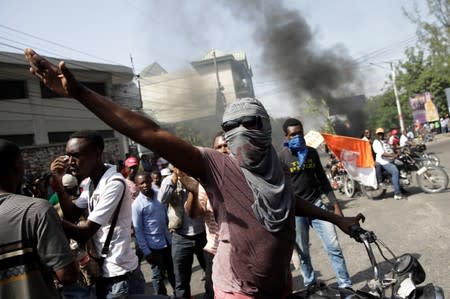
(69, 181)
(379, 131)
(131, 161)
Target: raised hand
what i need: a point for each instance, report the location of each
(57, 78)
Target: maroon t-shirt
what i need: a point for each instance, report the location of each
(259, 259)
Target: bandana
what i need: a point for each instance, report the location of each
(259, 162)
(297, 146)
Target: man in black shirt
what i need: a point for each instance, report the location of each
(310, 182)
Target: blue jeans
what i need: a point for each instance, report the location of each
(327, 234)
(77, 291)
(121, 286)
(162, 263)
(183, 250)
(393, 170)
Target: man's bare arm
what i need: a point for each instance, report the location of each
(80, 233)
(141, 129)
(306, 209)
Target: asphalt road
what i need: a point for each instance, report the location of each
(419, 225)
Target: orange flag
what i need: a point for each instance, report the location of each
(356, 156)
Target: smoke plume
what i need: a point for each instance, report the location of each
(289, 49)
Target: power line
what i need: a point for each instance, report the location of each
(59, 45)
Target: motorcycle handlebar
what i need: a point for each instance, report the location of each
(361, 235)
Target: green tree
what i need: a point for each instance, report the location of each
(425, 69)
(434, 33)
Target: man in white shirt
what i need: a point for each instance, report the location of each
(404, 140)
(104, 189)
(384, 157)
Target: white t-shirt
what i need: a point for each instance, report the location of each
(381, 147)
(403, 140)
(101, 206)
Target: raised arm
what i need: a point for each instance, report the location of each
(141, 129)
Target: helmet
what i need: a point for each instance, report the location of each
(379, 131)
(394, 132)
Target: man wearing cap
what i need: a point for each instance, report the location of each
(131, 167)
(250, 188)
(393, 139)
(385, 156)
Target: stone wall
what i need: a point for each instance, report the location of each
(38, 158)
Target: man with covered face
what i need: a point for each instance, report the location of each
(311, 183)
(250, 188)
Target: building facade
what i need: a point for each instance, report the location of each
(31, 115)
(199, 92)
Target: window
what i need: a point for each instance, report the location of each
(20, 140)
(12, 89)
(58, 137)
(98, 87)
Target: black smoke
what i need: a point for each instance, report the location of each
(289, 49)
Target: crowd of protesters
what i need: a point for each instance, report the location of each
(247, 189)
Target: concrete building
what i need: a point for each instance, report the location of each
(32, 115)
(193, 93)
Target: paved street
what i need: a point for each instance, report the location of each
(419, 225)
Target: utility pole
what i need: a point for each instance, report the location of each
(138, 81)
(220, 97)
(397, 100)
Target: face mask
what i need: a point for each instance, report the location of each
(297, 145)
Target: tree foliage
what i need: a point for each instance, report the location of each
(425, 69)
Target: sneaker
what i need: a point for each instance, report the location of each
(399, 196)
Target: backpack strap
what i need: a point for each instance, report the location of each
(105, 248)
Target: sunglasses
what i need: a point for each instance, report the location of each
(249, 122)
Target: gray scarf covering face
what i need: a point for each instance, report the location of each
(259, 162)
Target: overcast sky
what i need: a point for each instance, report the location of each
(173, 33)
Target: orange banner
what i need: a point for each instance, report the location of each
(351, 149)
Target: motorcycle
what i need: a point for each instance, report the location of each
(338, 177)
(418, 152)
(401, 282)
(430, 178)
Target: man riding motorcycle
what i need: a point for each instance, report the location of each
(385, 157)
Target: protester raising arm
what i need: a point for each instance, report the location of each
(138, 127)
